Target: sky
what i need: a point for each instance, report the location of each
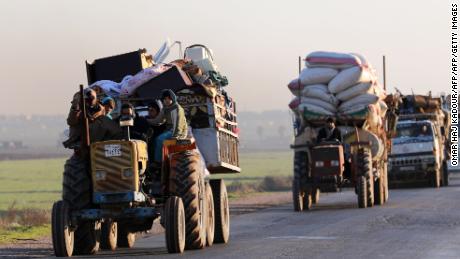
(256, 44)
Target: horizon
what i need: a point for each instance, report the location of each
(46, 44)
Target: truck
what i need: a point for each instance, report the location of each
(110, 194)
(421, 145)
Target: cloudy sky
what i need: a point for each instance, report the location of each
(45, 43)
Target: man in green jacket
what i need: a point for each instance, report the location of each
(173, 116)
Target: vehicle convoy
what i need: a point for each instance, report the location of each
(115, 191)
(342, 88)
(420, 147)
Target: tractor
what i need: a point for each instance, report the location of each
(113, 192)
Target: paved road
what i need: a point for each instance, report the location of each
(415, 223)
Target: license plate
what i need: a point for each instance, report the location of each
(407, 168)
(112, 150)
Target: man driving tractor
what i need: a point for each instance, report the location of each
(173, 116)
(329, 132)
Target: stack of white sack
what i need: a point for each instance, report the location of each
(340, 85)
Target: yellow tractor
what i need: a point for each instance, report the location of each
(113, 193)
(110, 198)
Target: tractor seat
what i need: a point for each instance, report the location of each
(179, 142)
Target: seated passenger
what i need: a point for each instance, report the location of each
(109, 106)
(329, 132)
(101, 128)
(173, 116)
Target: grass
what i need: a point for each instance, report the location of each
(23, 224)
(30, 183)
(37, 183)
(258, 165)
(20, 233)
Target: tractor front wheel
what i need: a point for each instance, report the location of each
(125, 238)
(109, 235)
(62, 234)
(76, 192)
(175, 225)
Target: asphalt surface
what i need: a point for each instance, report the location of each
(415, 223)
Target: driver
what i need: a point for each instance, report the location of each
(329, 132)
(424, 131)
(173, 116)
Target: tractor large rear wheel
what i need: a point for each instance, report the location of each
(361, 189)
(366, 178)
(300, 175)
(187, 181)
(221, 211)
(77, 194)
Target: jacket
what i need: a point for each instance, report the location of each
(174, 119)
(325, 134)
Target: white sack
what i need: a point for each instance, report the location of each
(319, 102)
(349, 77)
(320, 75)
(331, 59)
(362, 59)
(354, 109)
(354, 91)
(364, 99)
(306, 107)
(294, 104)
(319, 92)
(295, 87)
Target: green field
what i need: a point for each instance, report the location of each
(257, 165)
(37, 183)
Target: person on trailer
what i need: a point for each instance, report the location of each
(329, 132)
(173, 117)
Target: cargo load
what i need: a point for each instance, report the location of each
(341, 89)
(421, 143)
(199, 86)
(339, 85)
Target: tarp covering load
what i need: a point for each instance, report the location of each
(340, 85)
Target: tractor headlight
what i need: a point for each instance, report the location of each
(100, 175)
(319, 163)
(127, 173)
(335, 163)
